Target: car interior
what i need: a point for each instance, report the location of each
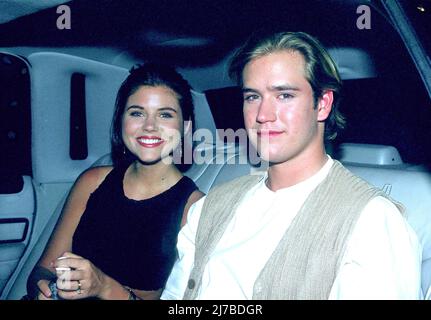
(59, 88)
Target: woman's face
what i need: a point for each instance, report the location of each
(152, 124)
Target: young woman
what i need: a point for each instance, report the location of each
(116, 238)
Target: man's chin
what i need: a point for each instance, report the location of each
(268, 156)
(274, 159)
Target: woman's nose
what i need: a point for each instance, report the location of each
(150, 124)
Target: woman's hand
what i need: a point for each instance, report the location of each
(83, 280)
(44, 291)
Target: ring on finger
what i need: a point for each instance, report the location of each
(79, 287)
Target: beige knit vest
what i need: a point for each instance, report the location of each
(306, 261)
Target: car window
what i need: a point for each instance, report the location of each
(419, 13)
(15, 128)
(226, 107)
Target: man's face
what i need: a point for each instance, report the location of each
(279, 112)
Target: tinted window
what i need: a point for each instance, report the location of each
(15, 133)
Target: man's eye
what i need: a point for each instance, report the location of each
(285, 96)
(251, 97)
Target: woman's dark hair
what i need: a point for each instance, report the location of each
(154, 75)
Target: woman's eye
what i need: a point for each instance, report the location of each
(136, 114)
(166, 115)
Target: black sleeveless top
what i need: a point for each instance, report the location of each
(132, 241)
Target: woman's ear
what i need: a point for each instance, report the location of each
(324, 105)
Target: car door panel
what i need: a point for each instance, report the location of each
(16, 219)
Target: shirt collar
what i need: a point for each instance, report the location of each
(308, 184)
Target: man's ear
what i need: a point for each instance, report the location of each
(324, 105)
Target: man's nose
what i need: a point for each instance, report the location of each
(266, 112)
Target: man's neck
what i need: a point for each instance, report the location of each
(294, 171)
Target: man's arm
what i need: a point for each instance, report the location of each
(383, 257)
(177, 281)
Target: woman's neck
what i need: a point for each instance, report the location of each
(144, 181)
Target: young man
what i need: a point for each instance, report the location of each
(308, 228)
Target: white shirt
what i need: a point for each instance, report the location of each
(382, 259)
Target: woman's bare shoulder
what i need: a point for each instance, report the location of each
(194, 197)
(93, 177)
